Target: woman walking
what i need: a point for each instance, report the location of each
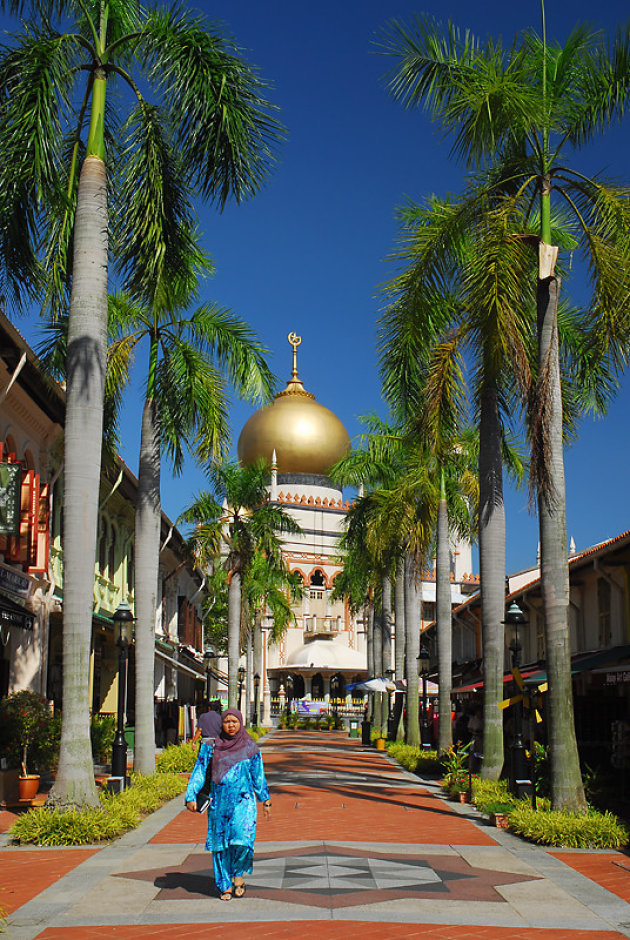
(238, 780)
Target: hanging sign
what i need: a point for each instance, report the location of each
(10, 481)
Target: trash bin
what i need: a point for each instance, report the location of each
(130, 737)
(366, 733)
(354, 728)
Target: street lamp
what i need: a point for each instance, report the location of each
(241, 680)
(424, 659)
(289, 686)
(256, 693)
(123, 619)
(514, 619)
(391, 730)
(208, 656)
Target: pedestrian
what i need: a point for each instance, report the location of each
(209, 724)
(238, 780)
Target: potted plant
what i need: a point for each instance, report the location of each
(498, 813)
(28, 726)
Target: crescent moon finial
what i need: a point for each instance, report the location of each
(294, 341)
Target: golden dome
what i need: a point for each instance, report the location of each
(306, 437)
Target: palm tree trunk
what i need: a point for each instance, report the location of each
(444, 628)
(567, 791)
(369, 629)
(147, 562)
(86, 357)
(492, 570)
(413, 607)
(234, 636)
(386, 640)
(378, 665)
(258, 659)
(249, 685)
(399, 642)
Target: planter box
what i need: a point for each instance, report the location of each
(499, 820)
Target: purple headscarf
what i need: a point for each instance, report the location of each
(229, 751)
(210, 724)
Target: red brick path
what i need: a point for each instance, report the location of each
(318, 930)
(611, 870)
(26, 873)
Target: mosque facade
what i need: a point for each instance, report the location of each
(325, 647)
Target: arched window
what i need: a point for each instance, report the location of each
(130, 568)
(102, 549)
(111, 559)
(317, 584)
(29, 460)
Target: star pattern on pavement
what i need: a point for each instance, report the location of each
(333, 877)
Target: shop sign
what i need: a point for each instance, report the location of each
(12, 580)
(10, 482)
(617, 677)
(15, 618)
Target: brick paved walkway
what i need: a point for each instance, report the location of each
(355, 846)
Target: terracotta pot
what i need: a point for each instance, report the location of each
(29, 785)
(380, 744)
(499, 820)
(464, 796)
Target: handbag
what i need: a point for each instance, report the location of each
(203, 796)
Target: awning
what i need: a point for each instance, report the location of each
(180, 666)
(586, 662)
(508, 677)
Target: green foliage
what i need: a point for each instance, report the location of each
(29, 732)
(454, 762)
(117, 814)
(102, 733)
(177, 758)
(589, 830)
(490, 793)
(419, 760)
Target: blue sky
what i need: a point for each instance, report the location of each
(308, 254)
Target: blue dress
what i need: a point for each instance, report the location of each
(231, 814)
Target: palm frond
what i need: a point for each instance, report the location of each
(222, 121)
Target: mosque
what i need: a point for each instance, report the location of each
(325, 648)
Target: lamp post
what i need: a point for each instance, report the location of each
(241, 680)
(208, 656)
(123, 619)
(256, 694)
(518, 767)
(425, 729)
(289, 685)
(391, 730)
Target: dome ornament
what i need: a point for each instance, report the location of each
(294, 341)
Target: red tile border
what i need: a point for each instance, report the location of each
(26, 872)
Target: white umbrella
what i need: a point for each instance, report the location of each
(373, 685)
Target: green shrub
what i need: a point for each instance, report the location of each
(102, 733)
(418, 760)
(177, 758)
(29, 732)
(488, 793)
(117, 814)
(590, 830)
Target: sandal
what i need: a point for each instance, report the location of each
(239, 891)
(226, 896)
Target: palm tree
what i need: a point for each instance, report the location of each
(212, 132)
(268, 585)
(235, 521)
(455, 300)
(185, 406)
(526, 107)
